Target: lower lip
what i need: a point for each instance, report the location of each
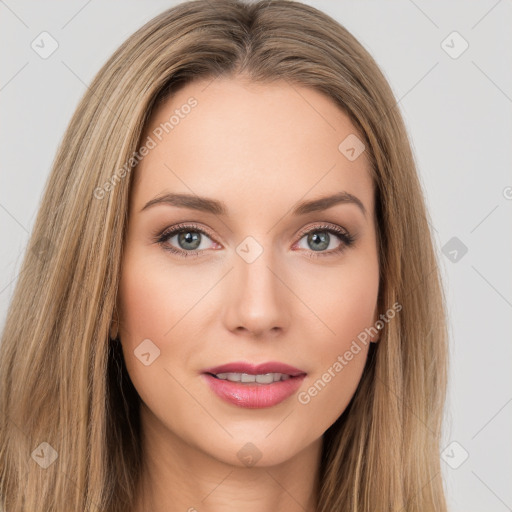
(254, 395)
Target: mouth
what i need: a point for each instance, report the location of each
(254, 386)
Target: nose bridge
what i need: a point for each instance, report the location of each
(255, 298)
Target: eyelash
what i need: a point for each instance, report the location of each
(345, 237)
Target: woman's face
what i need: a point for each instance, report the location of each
(254, 277)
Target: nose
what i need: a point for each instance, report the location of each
(257, 301)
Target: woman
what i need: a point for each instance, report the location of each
(230, 297)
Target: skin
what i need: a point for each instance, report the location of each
(260, 149)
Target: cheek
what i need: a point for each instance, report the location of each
(326, 395)
(344, 299)
(157, 302)
(339, 361)
(152, 306)
(341, 352)
(154, 297)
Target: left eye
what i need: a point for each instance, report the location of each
(320, 239)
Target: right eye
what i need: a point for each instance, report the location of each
(188, 238)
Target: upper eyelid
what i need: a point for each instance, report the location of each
(324, 225)
(173, 230)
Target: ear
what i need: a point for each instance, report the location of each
(379, 325)
(114, 326)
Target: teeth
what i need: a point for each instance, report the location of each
(266, 378)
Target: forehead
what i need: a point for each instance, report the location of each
(250, 145)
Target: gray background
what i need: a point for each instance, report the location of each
(457, 111)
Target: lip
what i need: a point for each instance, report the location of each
(254, 395)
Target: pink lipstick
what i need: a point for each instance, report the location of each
(254, 386)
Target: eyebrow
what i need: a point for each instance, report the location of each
(216, 207)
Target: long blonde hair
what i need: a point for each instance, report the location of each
(63, 382)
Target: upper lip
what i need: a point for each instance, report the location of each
(255, 369)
